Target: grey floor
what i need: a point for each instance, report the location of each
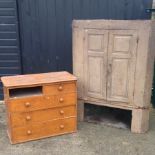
(91, 139)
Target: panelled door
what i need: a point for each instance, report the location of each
(95, 67)
(110, 62)
(121, 65)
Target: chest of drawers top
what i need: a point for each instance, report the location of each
(37, 79)
(24, 86)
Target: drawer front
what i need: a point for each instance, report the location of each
(65, 99)
(22, 119)
(30, 104)
(41, 130)
(38, 103)
(59, 88)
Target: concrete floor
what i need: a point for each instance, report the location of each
(91, 139)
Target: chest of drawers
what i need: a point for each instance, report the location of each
(40, 105)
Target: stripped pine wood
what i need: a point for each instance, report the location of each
(113, 60)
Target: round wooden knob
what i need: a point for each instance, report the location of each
(62, 126)
(28, 118)
(27, 104)
(29, 132)
(47, 97)
(60, 88)
(61, 99)
(61, 112)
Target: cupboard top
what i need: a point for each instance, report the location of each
(35, 79)
(113, 24)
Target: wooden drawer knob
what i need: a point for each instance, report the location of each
(61, 100)
(62, 126)
(61, 112)
(47, 97)
(60, 88)
(28, 118)
(27, 104)
(29, 132)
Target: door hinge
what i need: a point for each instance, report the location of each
(149, 10)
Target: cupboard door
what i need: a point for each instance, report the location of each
(121, 65)
(95, 65)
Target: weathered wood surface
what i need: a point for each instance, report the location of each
(113, 60)
(140, 120)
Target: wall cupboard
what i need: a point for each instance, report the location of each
(113, 60)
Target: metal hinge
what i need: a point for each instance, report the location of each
(150, 10)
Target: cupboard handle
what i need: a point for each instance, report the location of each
(109, 68)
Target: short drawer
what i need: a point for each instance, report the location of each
(65, 99)
(22, 119)
(42, 130)
(30, 103)
(58, 88)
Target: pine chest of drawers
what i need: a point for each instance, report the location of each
(40, 105)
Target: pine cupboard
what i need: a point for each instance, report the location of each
(113, 61)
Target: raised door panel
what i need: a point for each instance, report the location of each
(95, 67)
(121, 65)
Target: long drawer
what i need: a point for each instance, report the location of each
(22, 119)
(41, 102)
(41, 130)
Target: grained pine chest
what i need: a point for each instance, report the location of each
(40, 105)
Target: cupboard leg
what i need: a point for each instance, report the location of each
(140, 120)
(80, 110)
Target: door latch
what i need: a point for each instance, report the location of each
(149, 10)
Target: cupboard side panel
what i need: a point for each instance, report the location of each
(78, 67)
(141, 67)
(150, 66)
